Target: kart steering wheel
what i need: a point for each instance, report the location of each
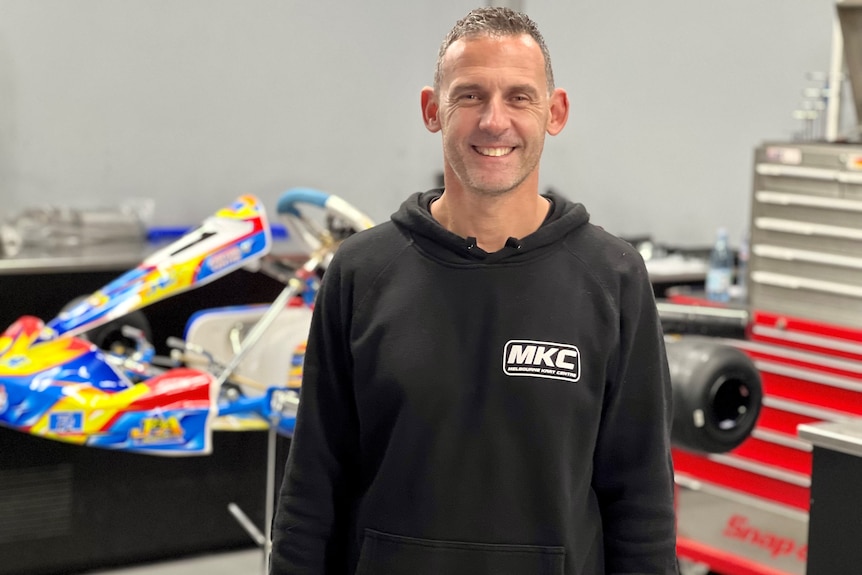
(341, 220)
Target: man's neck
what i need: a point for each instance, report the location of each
(492, 220)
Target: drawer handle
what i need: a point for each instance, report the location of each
(783, 199)
(797, 172)
(807, 229)
(794, 255)
(798, 283)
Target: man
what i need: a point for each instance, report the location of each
(485, 386)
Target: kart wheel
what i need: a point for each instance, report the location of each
(717, 394)
(109, 336)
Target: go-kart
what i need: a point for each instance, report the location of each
(57, 384)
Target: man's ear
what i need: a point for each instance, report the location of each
(430, 109)
(559, 111)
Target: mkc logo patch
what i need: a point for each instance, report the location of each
(542, 359)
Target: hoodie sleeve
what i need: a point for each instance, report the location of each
(633, 470)
(310, 525)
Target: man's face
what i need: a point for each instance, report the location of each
(493, 109)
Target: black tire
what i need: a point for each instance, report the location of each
(717, 394)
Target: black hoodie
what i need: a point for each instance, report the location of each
(474, 413)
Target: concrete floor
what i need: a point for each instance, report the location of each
(250, 562)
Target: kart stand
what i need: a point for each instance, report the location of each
(293, 287)
(263, 540)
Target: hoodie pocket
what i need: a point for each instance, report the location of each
(386, 554)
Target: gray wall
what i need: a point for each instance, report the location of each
(193, 102)
(670, 97)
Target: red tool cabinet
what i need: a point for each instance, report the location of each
(746, 512)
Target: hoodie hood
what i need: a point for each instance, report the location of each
(414, 219)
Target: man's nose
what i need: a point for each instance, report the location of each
(495, 116)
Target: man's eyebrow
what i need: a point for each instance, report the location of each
(460, 88)
(528, 89)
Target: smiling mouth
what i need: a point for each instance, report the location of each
(494, 152)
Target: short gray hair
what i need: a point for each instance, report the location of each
(494, 21)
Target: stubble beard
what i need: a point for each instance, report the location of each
(474, 182)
